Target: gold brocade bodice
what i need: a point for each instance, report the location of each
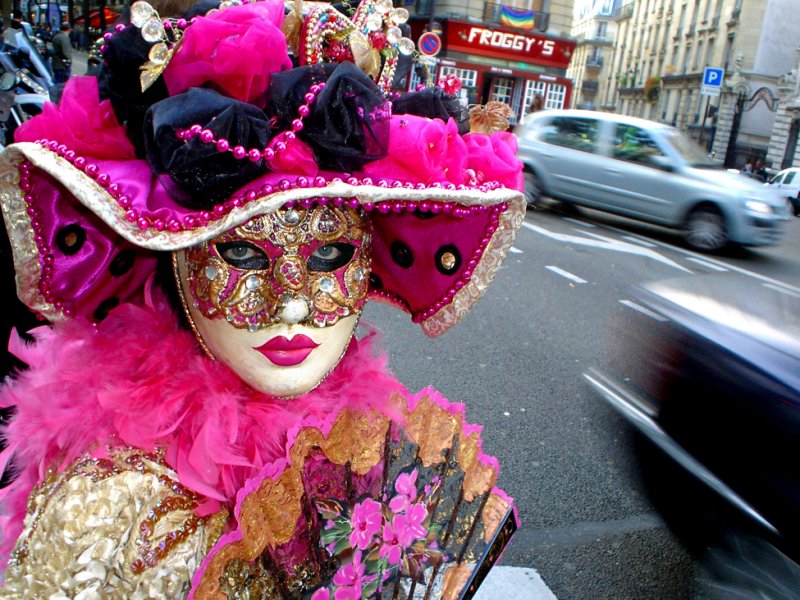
(116, 527)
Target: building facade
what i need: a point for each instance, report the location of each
(784, 143)
(663, 47)
(494, 59)
(594, 30)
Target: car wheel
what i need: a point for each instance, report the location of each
(796, 206)
(790, 206)
(705, 229)
(533, 188)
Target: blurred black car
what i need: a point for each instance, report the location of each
(708, 369)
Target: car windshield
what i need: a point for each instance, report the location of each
(688, 150)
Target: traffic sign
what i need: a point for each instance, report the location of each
(712, 81)
(429, 43)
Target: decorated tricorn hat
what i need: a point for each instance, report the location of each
(197, 124)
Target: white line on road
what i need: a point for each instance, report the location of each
(640, 241)
(782, 289)
(565, 274)
(579, 222)
(514, 250)
(605, 243)
(706, 264)
(513, 582)
(762, 278)
(643, 310)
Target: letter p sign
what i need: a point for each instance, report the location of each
(712, 77)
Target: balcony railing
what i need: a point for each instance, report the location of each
(594, 62)
(590, 86)
(625, 12)
(492, 10)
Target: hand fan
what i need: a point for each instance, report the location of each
(366, 506)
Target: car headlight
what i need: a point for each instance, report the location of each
(32, 84)
(758, 206)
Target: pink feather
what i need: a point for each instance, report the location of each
(138, 379)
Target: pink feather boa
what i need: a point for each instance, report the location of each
(139, 379)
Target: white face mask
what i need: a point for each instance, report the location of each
(278, 298)
(280, 360)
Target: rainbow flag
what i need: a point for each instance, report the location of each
(521, 18)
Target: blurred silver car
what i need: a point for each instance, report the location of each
(647, 171)
(788, 182)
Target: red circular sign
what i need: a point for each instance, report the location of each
(429, 44)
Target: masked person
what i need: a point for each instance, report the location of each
(203, 225)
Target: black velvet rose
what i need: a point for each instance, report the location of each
(434, 103)
(348, 123)
(207, 175)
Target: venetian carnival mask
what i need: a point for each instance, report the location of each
(278, 298)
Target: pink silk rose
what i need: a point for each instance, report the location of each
(234, 51)
(82, 122)
(493, 158)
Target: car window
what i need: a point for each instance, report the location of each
(634, 144)
(777, 179)
(580, 134)
(789, 177)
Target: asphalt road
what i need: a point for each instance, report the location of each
(569, 461)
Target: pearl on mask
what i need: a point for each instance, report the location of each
(294, 311)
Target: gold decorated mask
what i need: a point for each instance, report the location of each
(296, 265)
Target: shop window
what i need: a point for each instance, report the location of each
(468, 77)
(531, 89)
(555, 96)
(580, 134)
(502, 87)
(633, 144)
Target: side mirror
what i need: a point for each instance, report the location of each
(662, 162)
(7, 81)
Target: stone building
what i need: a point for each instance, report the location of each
(494, 59)
(594, 30)
(663, 47)
(784, 143)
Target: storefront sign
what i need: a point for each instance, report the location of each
(508, 44)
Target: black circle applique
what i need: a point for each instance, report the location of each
(70, 239)
(401, 254)
(122, 262)
(375, 282)
(101, 312)
(448, 260)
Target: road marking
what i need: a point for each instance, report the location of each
(782, 289)
(513, 582)
(514, 250)
(758, 276)
(706, 264)
(637, 240)
(643, 310)
(605, 243)
(565, 274)
(579, 222)
(586, 532)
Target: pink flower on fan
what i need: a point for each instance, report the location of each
(366, 521)
(321, 594)
(415, 517)
(406, 486)
(348, 579)
(394, 535)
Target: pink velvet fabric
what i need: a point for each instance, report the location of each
(235, 51)
(139, 379)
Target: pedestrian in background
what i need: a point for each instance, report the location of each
(536, 104)
(62, 54)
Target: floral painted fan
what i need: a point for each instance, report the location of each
(367, 507)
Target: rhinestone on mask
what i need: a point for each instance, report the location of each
(252, 283)
(326, 285)
(359, 274)
(292, 217)
(211, 273)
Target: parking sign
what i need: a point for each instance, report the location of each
(712, 81)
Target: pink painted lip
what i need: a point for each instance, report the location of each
(285, 352)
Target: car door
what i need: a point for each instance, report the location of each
(570, 154)
(636, 179)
